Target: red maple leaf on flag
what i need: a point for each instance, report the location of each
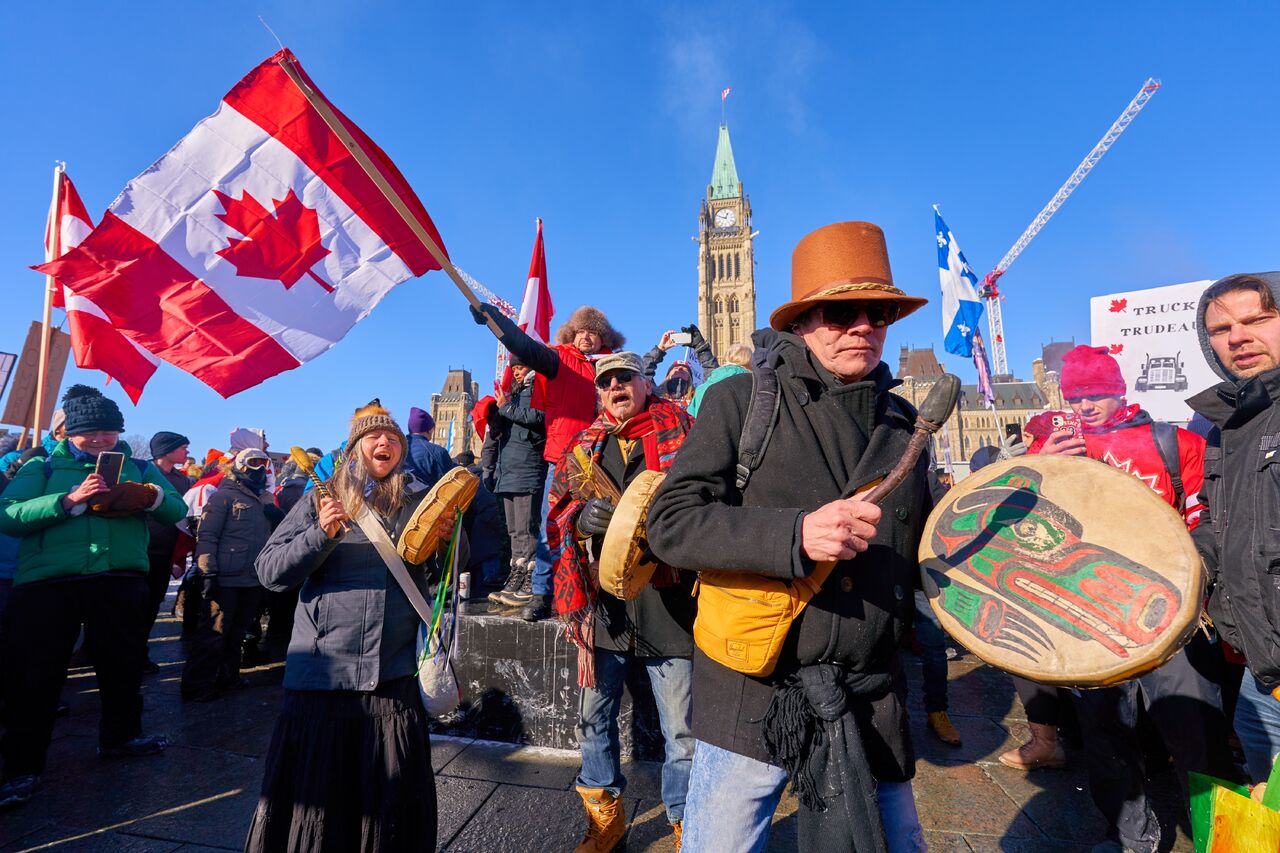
(284, 246)
(1115, 349)
(1118, 305)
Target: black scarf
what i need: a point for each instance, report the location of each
(812, 733)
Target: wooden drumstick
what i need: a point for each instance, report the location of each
(933, 413)
(303, 461)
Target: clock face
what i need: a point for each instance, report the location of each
(725, 217)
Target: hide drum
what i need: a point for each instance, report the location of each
(451, 494)
(625, 565)
(1063, 570)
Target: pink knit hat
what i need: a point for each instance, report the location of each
(1088, 371)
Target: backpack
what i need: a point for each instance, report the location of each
(743, 619)
(1166, 439)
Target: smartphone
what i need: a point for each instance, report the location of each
(1069, 423)
(681, 339)
(109, 464)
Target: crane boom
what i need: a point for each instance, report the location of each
(989, 290)
(507, 309)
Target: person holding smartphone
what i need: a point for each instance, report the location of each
(82, 562)
(678, 386)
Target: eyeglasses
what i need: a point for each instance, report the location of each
(846, 314)
(255, 463)
(623, 377)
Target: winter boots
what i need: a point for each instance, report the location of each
(518, 590)
(605, 821)
(1043, 750)
(940, 724)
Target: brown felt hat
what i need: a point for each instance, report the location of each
(846, 261)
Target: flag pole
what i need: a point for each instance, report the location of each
(52, 251)
(366, 163)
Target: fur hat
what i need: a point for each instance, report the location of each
(592, 319)
(88, 411)
(1091, 370)
(370, 417)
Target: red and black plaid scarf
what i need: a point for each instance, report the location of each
(661, 429)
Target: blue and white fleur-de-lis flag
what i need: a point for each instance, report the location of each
(961, 307)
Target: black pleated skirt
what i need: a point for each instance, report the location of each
(348, 771)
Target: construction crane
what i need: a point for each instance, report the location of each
(988, 290)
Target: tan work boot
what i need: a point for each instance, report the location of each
(605, 821)
(940, 724)
(1043, 750)
(678, 829)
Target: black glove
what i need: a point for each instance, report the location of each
(595, 517)
(208, 587)
(696, 340)
(484, 312)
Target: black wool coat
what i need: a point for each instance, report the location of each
(829, 441)
(521, 433)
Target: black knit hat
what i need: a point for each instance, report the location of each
(166, 442)
(88, 411)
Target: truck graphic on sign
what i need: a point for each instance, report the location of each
(1162, 373)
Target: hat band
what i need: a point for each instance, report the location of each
(852, 287)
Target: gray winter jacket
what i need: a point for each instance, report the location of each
(232, 531)
(353, 627)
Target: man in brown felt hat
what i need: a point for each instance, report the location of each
(837, 429)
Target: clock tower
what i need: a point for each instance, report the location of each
(726, 267)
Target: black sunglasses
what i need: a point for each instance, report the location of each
(623, 377)
(845, 314)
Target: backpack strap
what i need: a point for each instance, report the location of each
(1166, 439)
(757, 427)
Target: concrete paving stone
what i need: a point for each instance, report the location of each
(946, 842)
(963, 797)
(1057, 801)
(457, 800)
(516, 765)
(648, 829)
(444, 748)
(506, 824)
(222, 822)
(64, 840)
(990, 844)
(644, 779)
(984, 739)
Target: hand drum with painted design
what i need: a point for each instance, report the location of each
(1063, 570)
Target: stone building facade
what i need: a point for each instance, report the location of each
(972, 424)
(451, 409)
(726, 262)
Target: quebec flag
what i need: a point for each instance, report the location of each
(961, 307)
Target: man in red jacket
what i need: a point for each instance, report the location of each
(565, 391)
(1185, 706)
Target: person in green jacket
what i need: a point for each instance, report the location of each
(82, 562)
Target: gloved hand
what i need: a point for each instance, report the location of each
(484, 312)
(695, 335)
(124, 499)
(595, 517)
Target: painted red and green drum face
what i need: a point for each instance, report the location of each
(1028, 566)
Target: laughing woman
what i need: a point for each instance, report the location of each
(349, 768)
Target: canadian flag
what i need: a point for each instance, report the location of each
(536, 310)
(95, 342)
(259, 240)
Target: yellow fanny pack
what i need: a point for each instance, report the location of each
(743, 618)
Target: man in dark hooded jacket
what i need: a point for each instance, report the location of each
(837, 430)
(1239, 534)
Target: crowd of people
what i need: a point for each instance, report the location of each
(765, 460)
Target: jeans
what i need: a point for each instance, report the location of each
(732, 799)
(672, 680)
(523, 512)
(546, 557)
(1258, 726)
(933, 657)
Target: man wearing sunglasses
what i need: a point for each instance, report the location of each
(837, 429)
(635, 431)
(232, 531)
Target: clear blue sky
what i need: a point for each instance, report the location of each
(602, 120)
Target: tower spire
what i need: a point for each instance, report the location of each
(724, 175)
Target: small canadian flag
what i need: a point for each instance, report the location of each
(258, 240)
(536, 309)
(96, 344)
